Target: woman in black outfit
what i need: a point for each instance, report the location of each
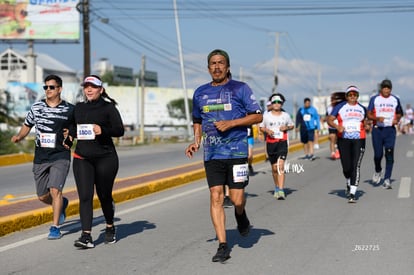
(95, 160)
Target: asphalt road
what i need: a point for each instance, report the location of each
(314, 231)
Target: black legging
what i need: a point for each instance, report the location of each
(351, 151)
(100, 172)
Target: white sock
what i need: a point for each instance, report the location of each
(353, 189)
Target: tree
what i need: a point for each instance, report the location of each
(176, 108)
(108, 77)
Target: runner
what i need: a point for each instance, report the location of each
(307, 121)
(336, 98)
(385, 110)
(222, 111)
(51, 117)
(351, 122)
(275, 125)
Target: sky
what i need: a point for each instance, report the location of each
(324, 46)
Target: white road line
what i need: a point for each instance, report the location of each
(409, 154)
(123, 212)
(405, 186)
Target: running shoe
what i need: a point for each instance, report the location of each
(85, 241)
(337, 154)
(276, 193)
(333, 156)
(110, 236)
(316, 146)
(376, 178)
(312, 157)
(62, 216)
(223, 253)
(387, 184)
(243, 223)
(351, 198)
(227, 202)
(54, 233)
(281, 195)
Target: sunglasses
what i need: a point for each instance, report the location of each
(352, 94)
(277, 102)
(50, 87)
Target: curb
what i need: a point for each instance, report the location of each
(27, 219)
(14, 159)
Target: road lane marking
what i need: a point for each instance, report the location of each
(405, 186)
(409, 154)
(70, 228)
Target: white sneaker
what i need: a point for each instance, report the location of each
(316, 146)
(387, 184)
(376, 178)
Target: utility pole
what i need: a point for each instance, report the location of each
(319, 83)
(275, 70)
(86, 39)
(142, 113)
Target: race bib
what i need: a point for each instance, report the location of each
(306, 117)
(47, 140)
(277, 134)
(85, 132)
(352, 126)
(240, 172)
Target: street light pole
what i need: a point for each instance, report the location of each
(86, 39)
(180, 52)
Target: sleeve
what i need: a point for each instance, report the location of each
(252, 106)
(196, 109)
(335, 110)
(399, 109)
(263, 123)
(115, 127)
(29, 121)
(371, 105)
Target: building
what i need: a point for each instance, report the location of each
(13, 68)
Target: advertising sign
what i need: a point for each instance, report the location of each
(39, 20)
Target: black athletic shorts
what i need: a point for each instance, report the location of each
(277, 150)
(221, 172)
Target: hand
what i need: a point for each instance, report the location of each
(15, 139)
(97, 129)
(67, 141)
(283, 128)
(191, 149)
(380, 119)
(65, 133)
(223, 125)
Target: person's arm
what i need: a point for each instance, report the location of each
(371, 115)
(331, 122)
(193, 147)
(225, 125)
(116, 127)
(24, 131)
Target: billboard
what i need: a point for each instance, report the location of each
(39, 20)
